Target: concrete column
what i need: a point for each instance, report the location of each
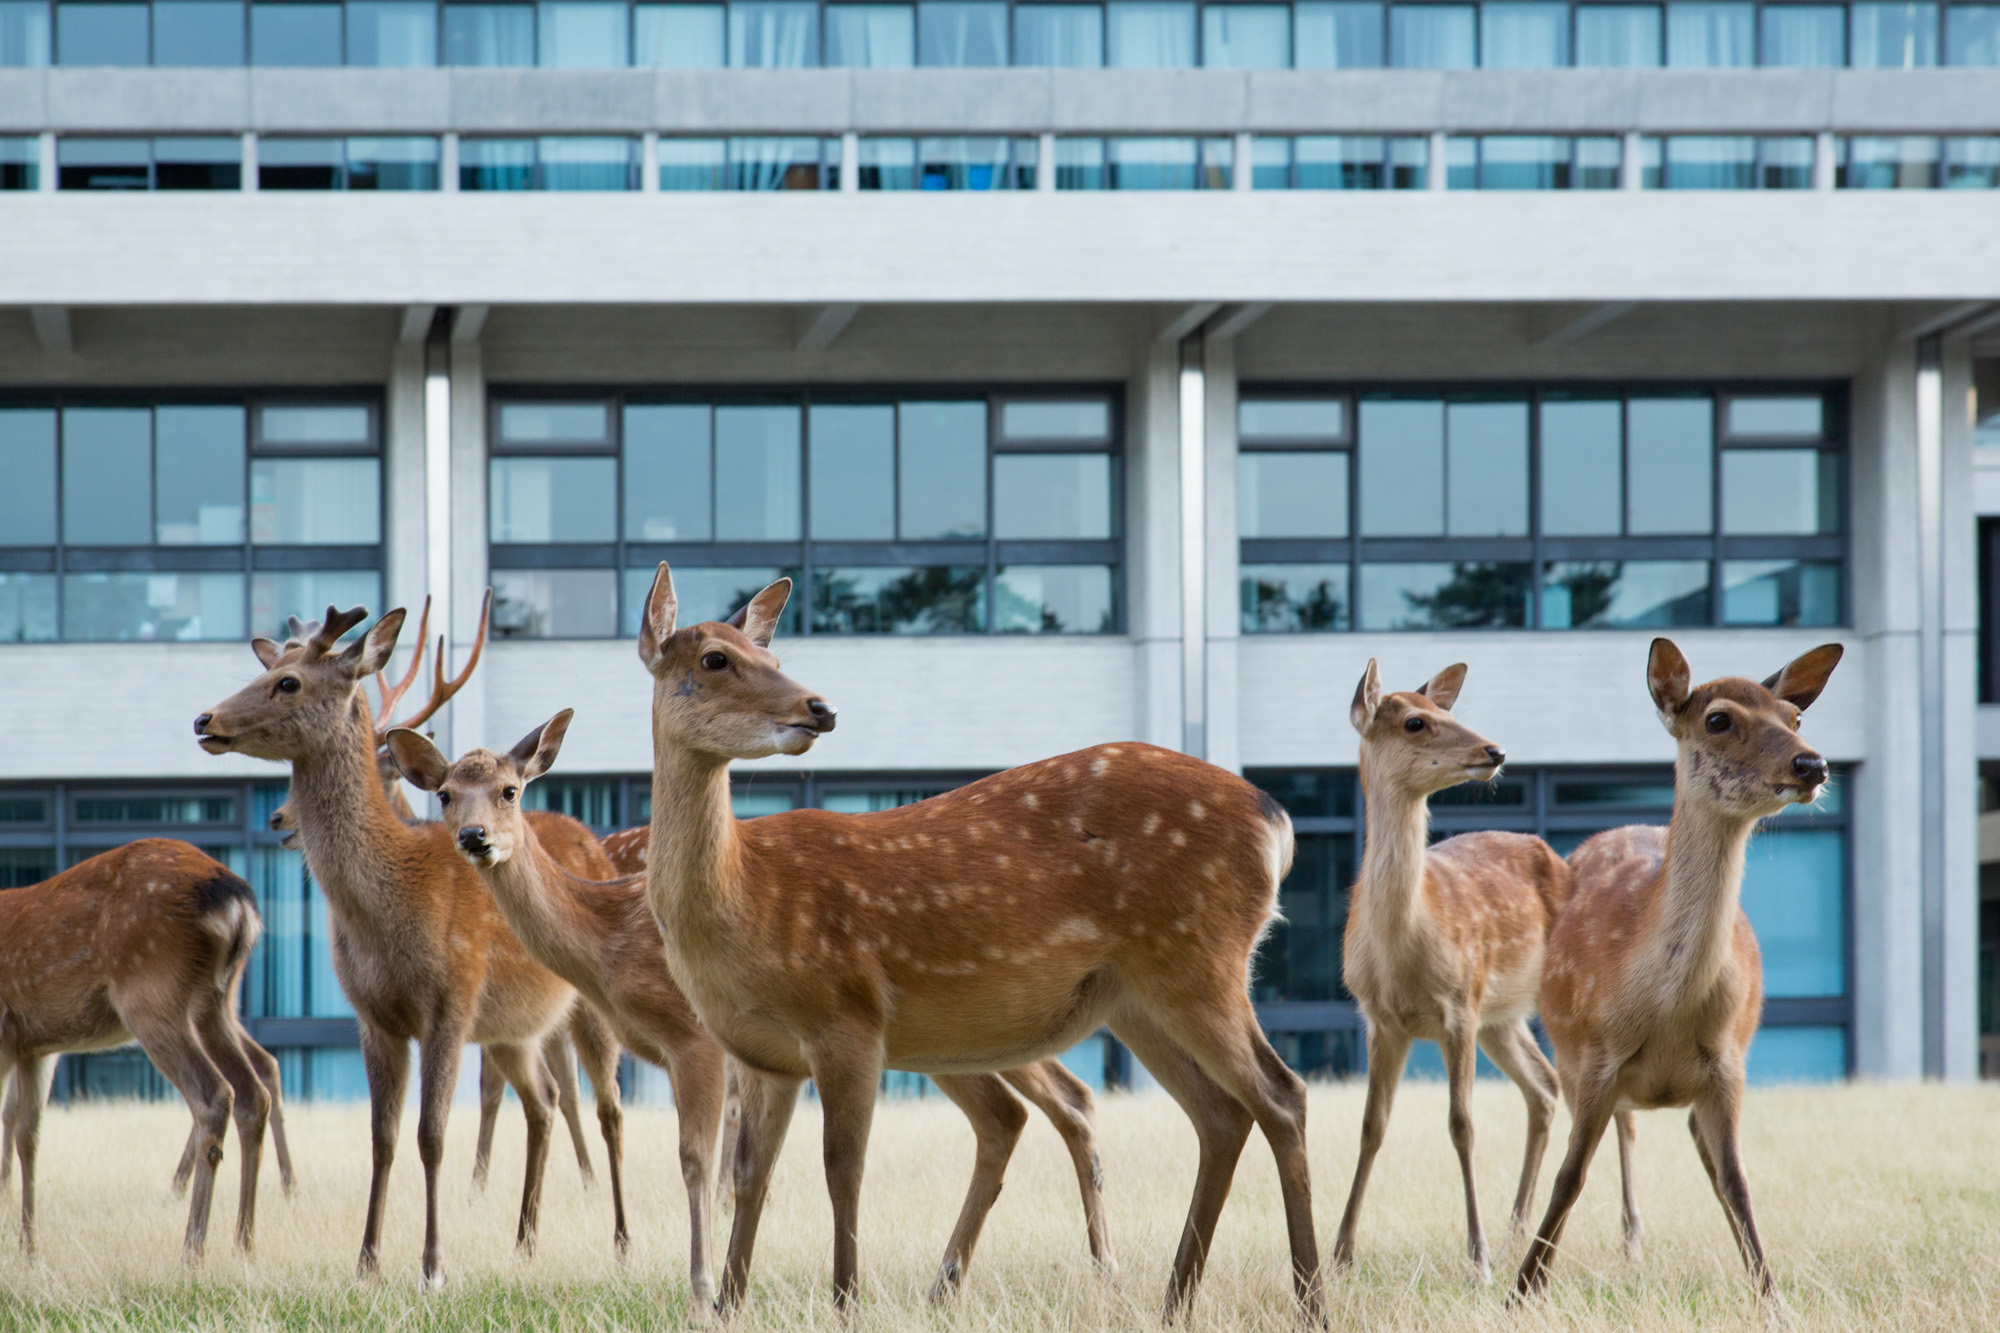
(469, 575)
(1823, 161)
(850, 162)
(47, 172)
(1220, 559)
(1045, 163)
(1632, 163)
(1437, 172)
(249, 163)
(1152, 522)
(448, 164)
(403, 470)
(649, 162)
(1193, 461)
(1241, 164)
(1959, 692)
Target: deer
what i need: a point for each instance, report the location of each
(1444, 943)
(144, 943)
(1653, 985)
(601, 937)
(988, 926)
(419, 948)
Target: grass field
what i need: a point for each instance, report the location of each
(1880, 1206)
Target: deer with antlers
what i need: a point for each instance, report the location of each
(420, 949)
(994, 924)
(601, 937)
(1653, 985)
(1444, 943)
(147, 943)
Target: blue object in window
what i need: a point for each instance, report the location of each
(1798, 1055)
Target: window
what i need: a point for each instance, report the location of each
(295, 32)
(1337, 34)
(1533, 162)
(680, 36)
(1060, 35)
(149, 164)
(1727, 162)
(1893, 36)
(557, 162)
(400, 34)
(582, 34)
(1618, 36)
(1338, 162)
(749, 164)
(1802, 36)
(1433, 36)
(196, 520)
(948, 164)
(894, 513)
(20, 164)
(1908, 163)
(1393, 510)
(1144, 164)
(871, 36)
(408, 163)
(1711, 34)
(489, 34)
(1246, 36)
(198, 32)
(1524, 34)
(1149, 34)
(1972, 35)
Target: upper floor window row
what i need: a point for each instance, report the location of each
(184, 520)
(1121, 34)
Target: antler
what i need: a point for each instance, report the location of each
(337, 623)
(441, 689)
(393, 696)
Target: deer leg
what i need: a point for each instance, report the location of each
(599, 1053)
(1513, 1048)
(695, 1069)
(175, 1049)
(1716, 1120)
(997, 1118)
(492, 1090)
(847, 1070)
(1065, 1099)
(266, 1066)
(9, 1116)
(525, 1069)
(386, 1060)
(1715, 1182)
(1461, 1067)
(252, 1106)
(732, 1125)
(1628, 1133)
(23, 1135)
(767, 1101)
(1590, 1117)
(1388, 1052)
(561, 1057)
(1221, 1127)
(438, 1055)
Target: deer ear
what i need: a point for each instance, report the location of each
(1800, 680)
(1367, 698)
(656, 625)
(1669, 681)
(1442, 689)
(267, 652)
(417, 758)
(536, 752)
(372, 653)
(760, 617)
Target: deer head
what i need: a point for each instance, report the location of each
(481, 793)
(306, 691)
(1411, 741)
(717, 689)
(1740, 750)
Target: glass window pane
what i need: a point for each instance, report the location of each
(1291, 494)
(942, 470)
(1062, 35)
(773, 34)
(125, 608)
(27, 608)
(301, 164)
(101, 33)
(392, 34)
(1342, 162)
(679, 37)
(693, 164)
(1894, 36)
(1797, 1055)
(199, 454)
(107, 476)
(1487, 468)
(1079, 164)
(1301, 958)
(1053, 599)
(198, 32)
(1795, 893)
(1776, 418)
(1151, 164)
(198, 164)
(1291, 418)
(1293, 599)
(555, 423)
(278, 594)
(313, 425)
(757, 474)
(1051, 496)
(1402, 468)
(1466, 595)
(1779, 491)
(667, 473)
(28, 462)
(555, 603)
(1523, 34)
(710, 593)
(496, 164)
(1670, 444)
(1337, 35)
(961, 164)
(582, 34)
(553, 499)
(1618, 36)
(24, 34)
(1972, 164)
(1432, 37)
(489, 35)
(853, 472)
(1804, 36)
(779, 164)
(1907, 163)
(1708, 35)
(295, 33)
(962, 33)
(20, 157)
(1625, 594)
(1149, 34)
(1246, 36)
(887, 164)
(1582, 475)
(1524, 162)
(574, 162)
(104, 164)
(871, 36)
(316, 502)
(1079, 419)
(925, 600)
(1972, 35)
(1780, 592)
(1711, 162)
(1785, 163)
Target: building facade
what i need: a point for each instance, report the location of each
(1098, 371)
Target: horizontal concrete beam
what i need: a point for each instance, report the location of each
(932, 101)
(80, 249)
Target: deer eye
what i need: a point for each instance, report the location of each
(509, 793)
(1413, 724)
(444, 799)
(714, 661)
(1717, 723)
(288, 684)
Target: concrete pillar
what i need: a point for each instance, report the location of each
(403, 471)
(649, 162)
(47, 172)
(1220, 559)
(1823, 160)
(1632, 163)
(1045, 162)
(850, 162)
(448, 164)
(1437, 171)
(249, 183)
(469, 574)
(1152, 521)
(1242, 163)
(1958, 760)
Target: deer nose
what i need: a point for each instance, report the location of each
(1496, 754)
(1810, 768)
(823, 713)
(473, 838)
(201, 724)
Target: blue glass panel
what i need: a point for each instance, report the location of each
(541, 500)
(198, 32)
(295, 34)
(1798, 1055)
(146, 608)
(708, 592)
(1246, 36)
(757, 473)
(335, 1074)
(1285, 494)
(693, 164)
(199, 453)
(1618, 36)
(107, 462)
(1079, 164)
(104, 164)
(1625, 594)
(1402, 468)
(1711, 34)
(28, 461)
(887, 164)
(1523, 162)
(582, 34)
(1804, 36)
(667, 459)
(1053, 599)
(1669, 447)
(1152, 164)
(99, 33)
(1780, 592)
(1972, 35)
(1061, 35)
(1432, 37)
(1707, 162)
(1149, 34)
(871, 36)
(1469, 594)
(1523, 34)
(1893, 36)
(1342, 34)
(1293, 599)
(392, 34)
(24, 33)
(1795, 892)
(489, 35)
(410, 163)
(852, 472)
(1972, 164)
(577, 162)
(1907, 163)
(496, 164)
(1486, 469)
(276, 595)
(962, 33)
(679, 36)
(963, 164)
(779, 164)
(773, 34)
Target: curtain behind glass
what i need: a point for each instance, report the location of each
(392, 34)
(583, 34)
(1432, 37)
(1149, 34)
(1618, 36)
(679, 36)
(1711, 36)
(774, 164)
(773, 34)
(962, 34)
(871, 36)
(1342, 34)
(1894, 36)
(489, 35)
(1523, 35)
(1246, 36)
(1804, 36)
(1064, 36)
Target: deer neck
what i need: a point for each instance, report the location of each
(1701, 882)
(1392, 855)
(694, 859)
(345, 821)
(542, 901)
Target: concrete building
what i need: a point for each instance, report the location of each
(1240, 343)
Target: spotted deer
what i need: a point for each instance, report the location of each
(982, 928)
(1444, 943)
(144, 943)
(601, 937)
(1653, 985)
(418, 946)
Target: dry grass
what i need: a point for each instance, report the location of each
(1881, 1207)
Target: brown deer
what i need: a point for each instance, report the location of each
(601, 937)
(419, 948)
(1444, 943)
(1653, 985)
(982, 928)
(147, 943)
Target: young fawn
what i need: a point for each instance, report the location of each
(1653, 986)
(991, 925)
(601, 937)
(1444, 943)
